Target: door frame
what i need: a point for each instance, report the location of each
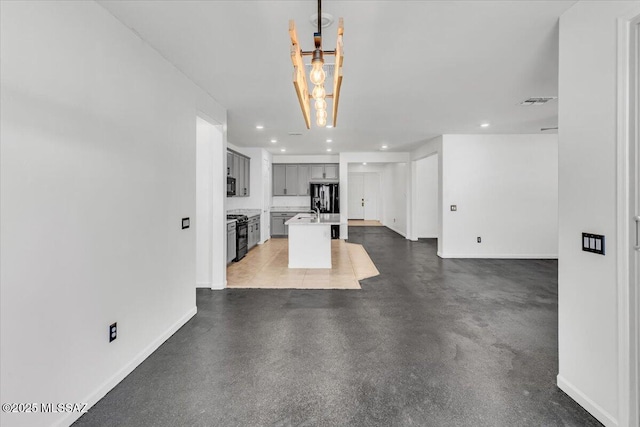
(627, 287)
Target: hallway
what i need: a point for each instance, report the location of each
(429, 341)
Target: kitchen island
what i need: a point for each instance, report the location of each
(310, 240)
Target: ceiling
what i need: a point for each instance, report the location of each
(412, 69)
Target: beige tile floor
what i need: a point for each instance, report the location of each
(265, 266)
(364, 223)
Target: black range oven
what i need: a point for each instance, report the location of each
(242, 235)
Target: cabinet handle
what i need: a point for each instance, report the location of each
(285, 191)
(637, 246)
(324, 175)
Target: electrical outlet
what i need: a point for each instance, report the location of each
(479, 239)
(454, 208)
(113, 331)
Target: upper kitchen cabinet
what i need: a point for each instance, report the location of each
(230, 169)
(294, 179)
(285, 180)
(303, 180)
(239, 167)
(324, 172)
(330, 171)
(291, 180)
(279, 180)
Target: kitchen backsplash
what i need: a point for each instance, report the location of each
(291, 201)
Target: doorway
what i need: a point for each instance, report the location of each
(364, 196)
(426, 206)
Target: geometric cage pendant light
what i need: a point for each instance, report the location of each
(317, 75)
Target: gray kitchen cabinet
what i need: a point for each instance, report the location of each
(230, 164)
(240, 184)
(294, 179)
(285, 180)
(291, 188)
(231, 241)
(303, 180)
(239, 167)
(253, 231)
(278, 228)
(324, 172)
(317, 171)
(279, 180)
(247, 177)
(331, 171)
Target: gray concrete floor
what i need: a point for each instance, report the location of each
(429, 342)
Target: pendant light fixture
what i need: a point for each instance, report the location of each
(317, 75)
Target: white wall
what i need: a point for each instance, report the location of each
(394, 194)
(426, 198)
(506, 191)
(587, 294)
(210, 189)
(97, 169)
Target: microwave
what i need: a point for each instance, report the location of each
(231, 186)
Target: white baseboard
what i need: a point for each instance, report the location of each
(499, 256)
(593, 408)
(203, 284)
(98, 394)
(396, 230)
(216, 286)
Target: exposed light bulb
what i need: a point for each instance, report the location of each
(321, 113)
(317, 74)
(321, 104)
(318, 92)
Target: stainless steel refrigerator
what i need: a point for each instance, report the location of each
(326, 198)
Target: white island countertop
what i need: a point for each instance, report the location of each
(310, 240)
(311, 219)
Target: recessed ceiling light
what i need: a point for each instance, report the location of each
(384, 147)
(329, 140)
(283, 149)
(364, 163)
(328, 149)
(259, 127)
(484, 125)
(329, 126)
(274, 140)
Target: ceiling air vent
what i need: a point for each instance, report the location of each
(295, 134)
(538, 100)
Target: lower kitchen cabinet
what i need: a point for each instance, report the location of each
(253, 231)
(231, 242)
(278, 228)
